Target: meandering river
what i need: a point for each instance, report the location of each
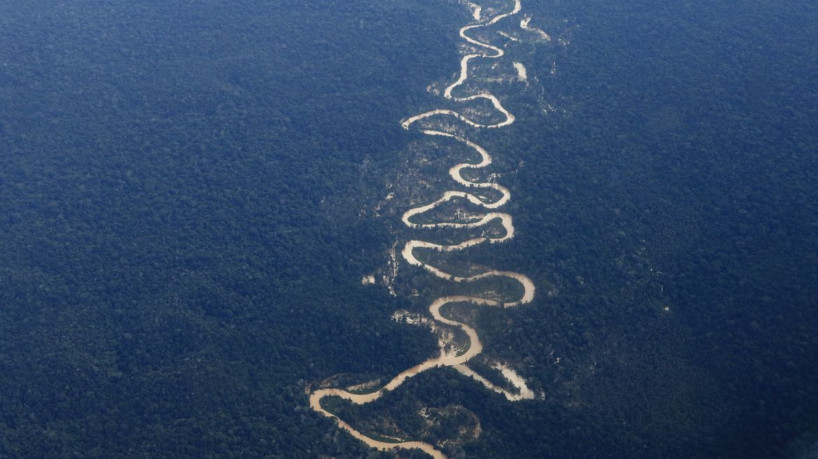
(413, 250)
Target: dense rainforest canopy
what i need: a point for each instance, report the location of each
(191, 192)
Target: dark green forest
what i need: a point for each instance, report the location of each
(187, 208)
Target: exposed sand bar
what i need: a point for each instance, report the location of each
(522, 391)
(476, 10)
(525, 24)
(522, 72)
